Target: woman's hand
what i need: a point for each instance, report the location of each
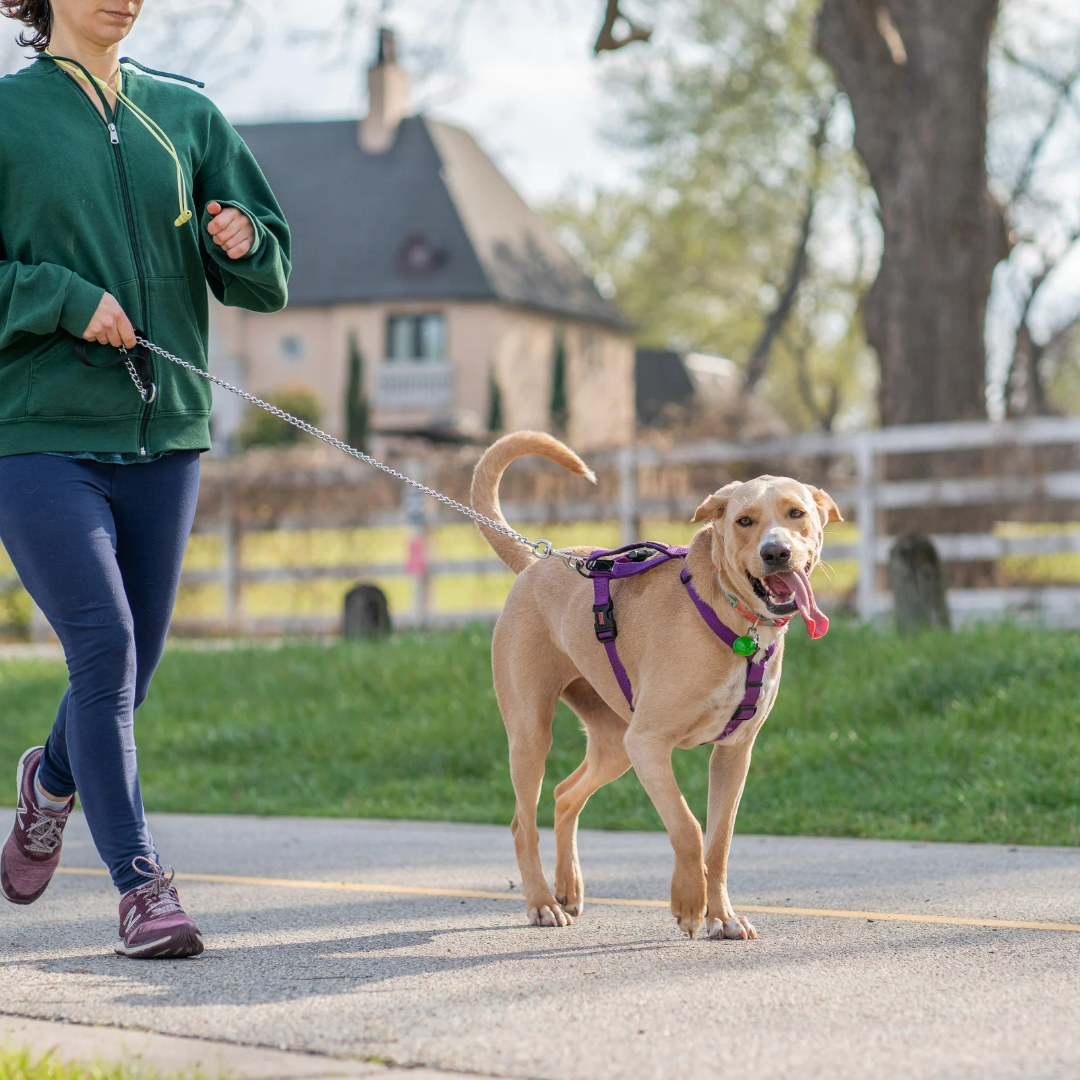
(110, 326)
(231, 229)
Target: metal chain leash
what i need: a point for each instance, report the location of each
(542, 549)
(146, 395)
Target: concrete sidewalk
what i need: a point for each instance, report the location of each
(460, 983)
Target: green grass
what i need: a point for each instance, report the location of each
(21, 1065)
(968, 736)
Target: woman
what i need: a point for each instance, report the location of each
(98, 480)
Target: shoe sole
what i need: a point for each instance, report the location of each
(169, 947)
(19, 772)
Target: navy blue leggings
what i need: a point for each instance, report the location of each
(99, 548)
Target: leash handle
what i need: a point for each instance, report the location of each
(140, 355)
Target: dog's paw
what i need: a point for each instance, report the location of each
(691, 919)
(571, 907)
(688, 899)
(737, 928)
(549, 915)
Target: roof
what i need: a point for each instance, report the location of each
(662, 382)
(431, 218)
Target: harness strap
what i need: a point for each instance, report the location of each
(755, 670)
(602, 566)
(607, 632)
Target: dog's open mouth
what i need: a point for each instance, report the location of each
(786, 593)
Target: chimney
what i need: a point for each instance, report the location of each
(388, 97)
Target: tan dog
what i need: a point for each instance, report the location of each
(760, 542)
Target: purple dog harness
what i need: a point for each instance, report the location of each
(604, 566)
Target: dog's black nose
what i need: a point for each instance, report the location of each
(774, 555)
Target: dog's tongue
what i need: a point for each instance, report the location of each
(797, 583)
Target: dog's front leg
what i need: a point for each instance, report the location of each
(728, 767)
(650, 754)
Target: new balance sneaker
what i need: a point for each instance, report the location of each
(32, 850)
(152, 923)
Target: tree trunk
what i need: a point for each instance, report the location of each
(916, 74)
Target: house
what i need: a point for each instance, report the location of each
(412, 252)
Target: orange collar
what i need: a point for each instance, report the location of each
(752, 617)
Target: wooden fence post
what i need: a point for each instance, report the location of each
(417, 566)
(629, 522)
(230, 559)
(866, 516)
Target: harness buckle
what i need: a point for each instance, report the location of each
(604, 622)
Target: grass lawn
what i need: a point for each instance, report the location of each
(21, 1065)
(973, 735)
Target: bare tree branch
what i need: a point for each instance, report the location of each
(606, 41)
(1023, 381)
(774, 323)
(1063, 89)
(822, 417)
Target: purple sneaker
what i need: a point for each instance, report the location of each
(33, 849)
(152, 922)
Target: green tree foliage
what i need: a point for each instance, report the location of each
(264, 429)
(495, 409)
(357, 409)
(726, 115)
(560, 408)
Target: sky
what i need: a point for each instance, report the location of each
(520, 76)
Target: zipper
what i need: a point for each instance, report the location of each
(140, 272)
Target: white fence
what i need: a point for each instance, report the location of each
(869, 495)
(860, 502)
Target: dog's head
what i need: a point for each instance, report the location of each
(767, 538)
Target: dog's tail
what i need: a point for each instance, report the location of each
(488, 473)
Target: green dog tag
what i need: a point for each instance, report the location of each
(745, 646)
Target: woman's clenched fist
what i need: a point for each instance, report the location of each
(110, 326)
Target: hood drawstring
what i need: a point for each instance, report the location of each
(147, 122)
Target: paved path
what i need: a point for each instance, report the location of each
(459, 983)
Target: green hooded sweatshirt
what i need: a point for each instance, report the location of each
(86, 208)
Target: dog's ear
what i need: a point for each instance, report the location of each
(829, 511)
(715, 505)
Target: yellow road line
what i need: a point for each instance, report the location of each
(417, 890)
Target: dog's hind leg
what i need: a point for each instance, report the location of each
(528, 709)
(605, 760)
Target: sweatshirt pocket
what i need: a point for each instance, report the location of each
(174, 325)
(61, 385)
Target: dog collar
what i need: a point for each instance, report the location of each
(752, 617)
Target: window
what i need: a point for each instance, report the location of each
(415, 337)
(292, 347)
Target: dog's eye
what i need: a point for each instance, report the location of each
(745, 522)
(797, 513)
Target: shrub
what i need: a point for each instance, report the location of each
(263, 429)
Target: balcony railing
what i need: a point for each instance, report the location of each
(414, 384)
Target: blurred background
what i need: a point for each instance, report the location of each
(698, 239)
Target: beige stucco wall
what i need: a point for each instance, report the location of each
(518, 345)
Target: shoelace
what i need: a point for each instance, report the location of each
(44, 833)
(158, 891)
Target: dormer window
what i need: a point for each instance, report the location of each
(416, 337)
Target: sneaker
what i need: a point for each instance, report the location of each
(32, 850)
(152, 922)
